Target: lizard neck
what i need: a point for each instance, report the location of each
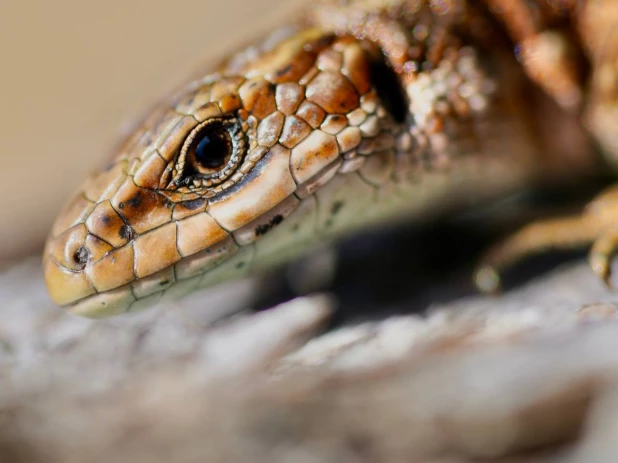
(444, 69)
(443, 72)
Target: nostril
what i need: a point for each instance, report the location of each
(81, 256)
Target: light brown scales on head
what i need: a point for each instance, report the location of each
(150, 210)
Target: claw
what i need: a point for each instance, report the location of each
(487, 280)
(601, 254)
(600, 267)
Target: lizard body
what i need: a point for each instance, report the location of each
(358, 113)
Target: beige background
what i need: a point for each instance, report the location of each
(74, 71)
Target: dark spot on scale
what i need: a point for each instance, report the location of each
(120, 205)
(106, 219)
(261, 229)
(272, 88)
(135, 201)
(266, 227)
(164, 282)
(240, 265)
(328, 223)
(81, 256)
(193, 204)
(283, 71)
(168, 204)
(126, 232)
(296, 227)
(336, 207)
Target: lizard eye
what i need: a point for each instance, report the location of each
(211, 153)
(211, 150)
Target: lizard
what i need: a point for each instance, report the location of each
(356, 113)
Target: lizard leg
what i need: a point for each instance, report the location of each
(548, 55)
(597, 225)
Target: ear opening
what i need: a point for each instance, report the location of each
(389, 87)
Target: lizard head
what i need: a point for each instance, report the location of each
(221, 179)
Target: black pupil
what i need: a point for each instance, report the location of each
(212, 149)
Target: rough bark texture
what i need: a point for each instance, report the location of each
(530, 376)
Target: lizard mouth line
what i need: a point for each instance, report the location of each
(223, 262)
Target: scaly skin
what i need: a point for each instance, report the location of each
(359, 113)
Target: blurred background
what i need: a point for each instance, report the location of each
(75, 73)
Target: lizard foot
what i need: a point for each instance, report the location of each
(597, 225)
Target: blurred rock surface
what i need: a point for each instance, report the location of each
(529, 376)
